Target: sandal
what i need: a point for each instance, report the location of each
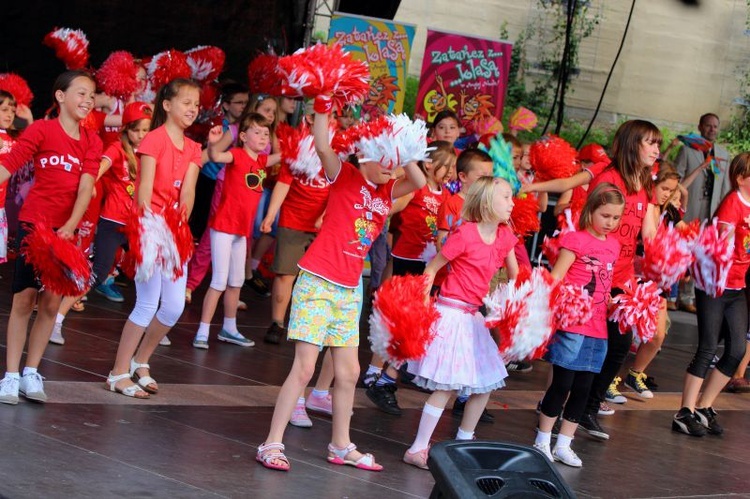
(418, 459)
(78, 306)
(338, 456)
(134, 391)
(267, 453)
(146, 382)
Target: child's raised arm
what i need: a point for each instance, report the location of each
(217, 145)
(413, 180)
(329, 159)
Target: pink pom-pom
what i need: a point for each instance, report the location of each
(522, 119)
(552, 157)
(298, 150)
(525, 215)
(572, 306)
(667, 256)
(17, 87)
(70, 45)
(713, 259)
(401, 321)
(61, 265)
(118, 75)
(206, 62)
(263, 75)
(637, 308)
(166, 66)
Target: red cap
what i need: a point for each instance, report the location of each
(136, 111)
(594, 153)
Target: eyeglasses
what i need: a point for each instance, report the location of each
(239, 102)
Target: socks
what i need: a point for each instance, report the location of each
(230, 324)
(301, 401)
(29, 370)
(543, 438)
(384, 379)
(59, 319)
(430, 417)
(203, 330)
(12, 375)
(319, 393)
(563, 441)
(254, 263)
(464, 435)
(373, 370)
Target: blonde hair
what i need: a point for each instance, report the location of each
(604, 193)
(443, 155)
(479, 200)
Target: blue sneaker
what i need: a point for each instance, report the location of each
(235, 338)
(110, 293)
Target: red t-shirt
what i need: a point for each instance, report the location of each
(592, 269)
(418, 225)
(734, 210)
(8, 142)
(239, 202)
(305, 202)
(111, 134)
(474, 262)
(171, 165)
(59, 163)
(449, 214)
(355, 216)
(629, 228)
(117, 185)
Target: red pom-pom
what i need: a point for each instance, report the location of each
(118, 75)
(210, 94)
(206, 62)
(70, 45)
(571, 305)
(401, 321)
(298, 150)
(94, 121)
(263, 75)
(667, 256)
(183, 238)
(552, 157)
(167, 66)
(637, 308)
(525, 215)
(17, 87)
(158, 243)
(61, 265)
(713, 259)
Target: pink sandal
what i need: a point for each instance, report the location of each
(338, 456)
(267, 453)
(418, 459)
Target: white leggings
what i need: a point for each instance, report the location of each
(228, 252)
(148, 294)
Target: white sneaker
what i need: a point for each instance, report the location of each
(57, 337)
(566, 456)
(164, 342)
(544, 448)
(32, 387)
(9, 390)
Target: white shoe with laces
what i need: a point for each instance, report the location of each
(566, 456)
(32, 387)
(545, 449)
(57, 337)
(9, 390)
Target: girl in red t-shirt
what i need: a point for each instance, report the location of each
(170, 164)
(66, 158)
(586, 260)
(463, 356)
(245, 170)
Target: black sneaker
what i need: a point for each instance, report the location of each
(274, 334)
(651, 383)
(458, 411)
(384, 397)
(368, 380)
(688, 423)
(257, 284)
(707, 417)
(519, 366)
(590, 425)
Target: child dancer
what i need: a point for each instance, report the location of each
(586, 259)
(66, 159)
(463, 356)
(169, 170)
(326, 299)
(697, 416)
(243, 185)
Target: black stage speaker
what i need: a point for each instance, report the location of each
(475, 469)
(383, 9)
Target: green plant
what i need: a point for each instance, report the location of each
(410, 96)
(736, 136)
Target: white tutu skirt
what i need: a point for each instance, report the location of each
(462, 357)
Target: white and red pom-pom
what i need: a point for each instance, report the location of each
(401, 321)
(522, 315)
(154, 247)
(70, 45)
(206, 62)
(552, 157)
(713, 258)
(181, 235)
(167, 66)
(572, 306)
(61, 266)
(392, 140)
(525, 215)
(298, 150)
(667, 256)
(637, 308)
(118, 75)
(17, 87)
(263, 75)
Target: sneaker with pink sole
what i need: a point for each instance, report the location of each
(319, 404)
(299, 418)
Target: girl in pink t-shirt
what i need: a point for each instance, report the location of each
(463, 357)
(586, 259)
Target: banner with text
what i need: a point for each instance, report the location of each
(385, 46)
(463, 73)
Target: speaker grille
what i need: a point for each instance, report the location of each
(545, 486)
(490, 485)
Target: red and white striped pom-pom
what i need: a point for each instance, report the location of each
(667, 256)
(70, 45)
(343, 142)
(182, 237)
(551, 245)
(572, 305)
(61, 266)
(298, 150)
(166, 66)
(118, 75)
(525, 215)
(17, 87)
(713, 258)
(552, 157)
(689, 231)
(401, 320)
(206, 62)
(392, 140)
(637, 308)
(152, 245)
(263, 75)
(523, 316)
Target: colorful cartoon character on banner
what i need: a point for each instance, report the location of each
(436, 101)
(475, 108)
(382, 93)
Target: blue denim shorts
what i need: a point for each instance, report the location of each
(577, 352)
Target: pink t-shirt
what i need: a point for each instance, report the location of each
(734, 210)
(473, 262)
(592, 269)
